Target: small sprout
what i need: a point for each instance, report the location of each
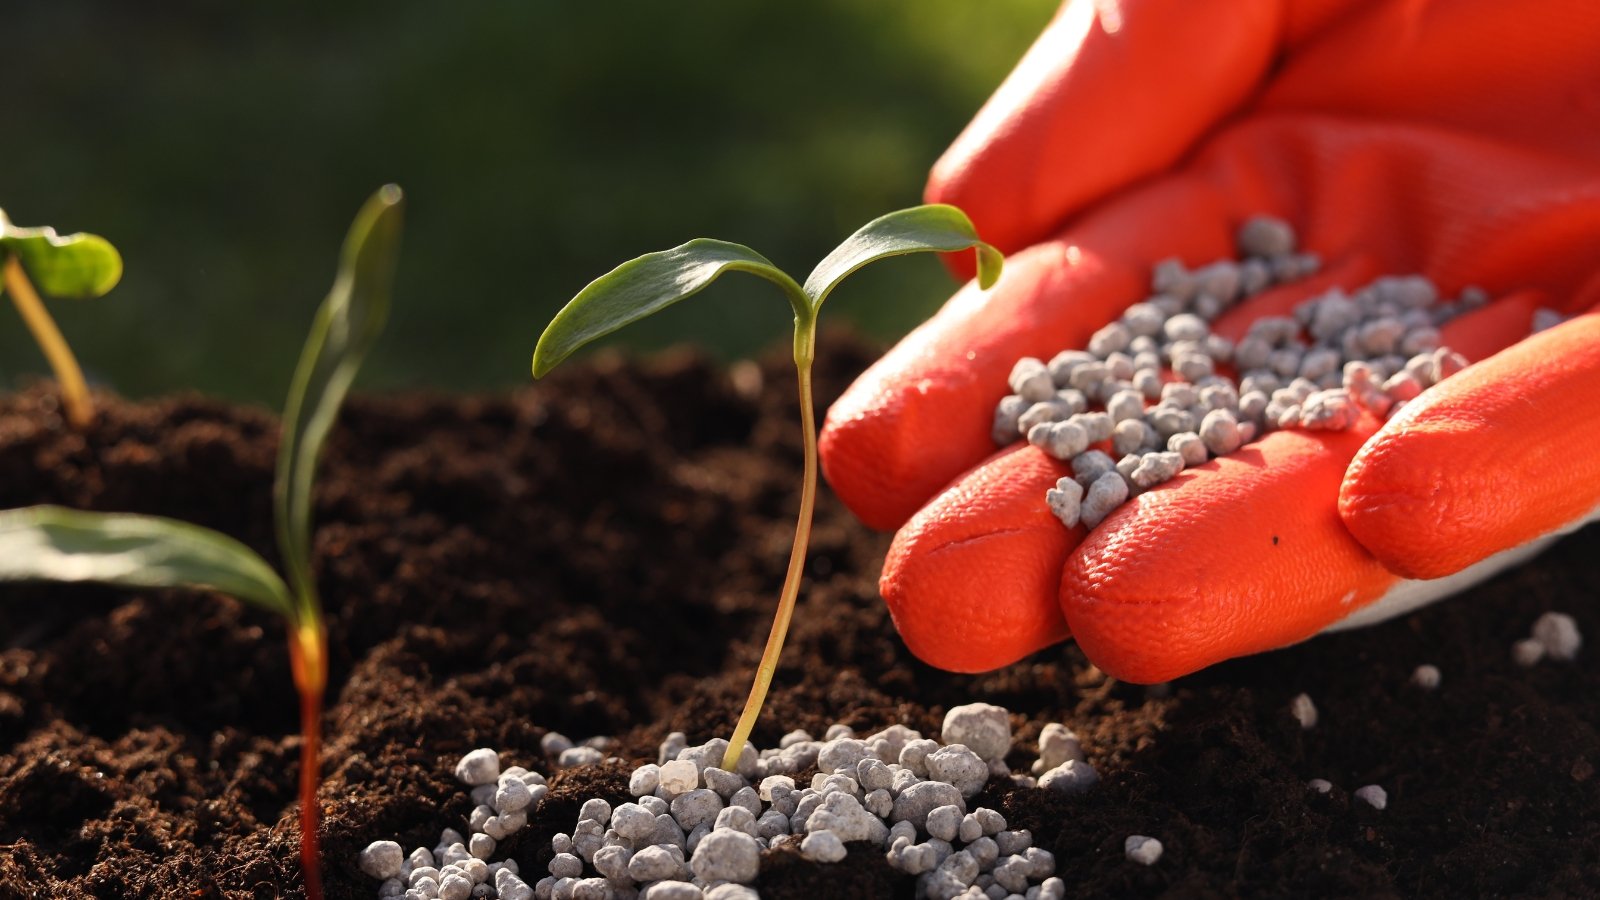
(655, 281)
(50, 543)
(73, 266)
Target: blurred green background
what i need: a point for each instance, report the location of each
(224, 148)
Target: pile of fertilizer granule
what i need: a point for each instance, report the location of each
(698, 831)
(1158, 391)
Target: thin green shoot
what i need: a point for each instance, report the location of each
(50, 543)
(652, 282)
(73, 266)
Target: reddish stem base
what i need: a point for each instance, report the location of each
(309, 661)
(310, 811)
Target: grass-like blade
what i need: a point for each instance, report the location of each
(52, 543)
(935, 227)
(71, 266)
(645, 285)
(347, 324)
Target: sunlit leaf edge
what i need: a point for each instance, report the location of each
(946, 229)
(54, 543)
(42, 252)
(655, 281)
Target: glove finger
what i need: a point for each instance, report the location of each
(1026, 164)
(1110, 93)
(1419, 61)
(1243, 554)
(970, 581)
(1413, 198)
(1491, 458)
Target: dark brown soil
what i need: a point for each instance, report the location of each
(598, 554)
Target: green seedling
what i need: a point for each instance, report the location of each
(50, 543)
(655, 281)
(73, 266)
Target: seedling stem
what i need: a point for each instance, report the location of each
(75, 401)
(308, 659)
(805, 330)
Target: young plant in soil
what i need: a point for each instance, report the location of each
(51, 543)
(73, 266)
(655, 281)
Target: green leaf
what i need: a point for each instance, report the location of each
(936, 227)
(346, 326)
(73, 266)
(52, 543)
(646, 285)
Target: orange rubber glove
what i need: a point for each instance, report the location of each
(1459, 140)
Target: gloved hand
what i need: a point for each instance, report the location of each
(1459, 140)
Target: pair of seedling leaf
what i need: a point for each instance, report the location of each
(652, 282)
(57, 544)
(74, 266)
(51, 543)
